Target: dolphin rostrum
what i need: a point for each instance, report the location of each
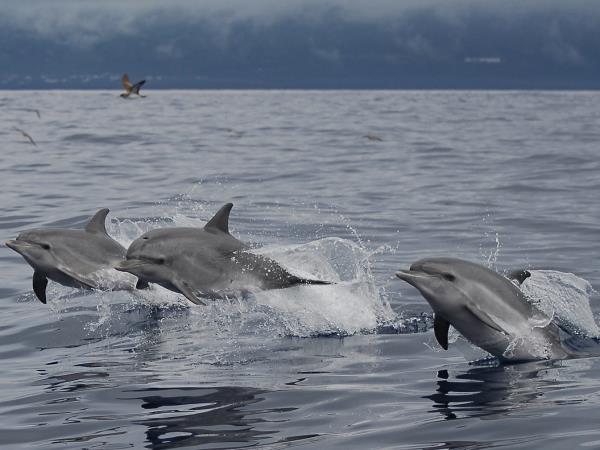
(69, 257)
(204, 262)
(486, 308)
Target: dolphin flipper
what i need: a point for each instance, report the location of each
(519, 275)
(440, 328)
(220, 220)
(39, 285)
(97, 222)
(186, 290)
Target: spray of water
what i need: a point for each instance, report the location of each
(352, 305)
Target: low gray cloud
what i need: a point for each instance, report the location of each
(309, 43)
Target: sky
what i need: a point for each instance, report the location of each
(301, 44)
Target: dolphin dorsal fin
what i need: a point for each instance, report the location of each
(97, 222)
(220, 221)
(519, 275)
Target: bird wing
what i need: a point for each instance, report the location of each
(137, 86)
(30, 138)
(126, 83)
(25, 134)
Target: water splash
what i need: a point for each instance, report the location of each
(352, 305)
(491, 255)
(108, 279)
(565, 297)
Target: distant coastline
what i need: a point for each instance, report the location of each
(163, 87)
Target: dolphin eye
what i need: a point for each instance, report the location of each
(160, 260)
(145, 238)
(45, 246)
(449, 276)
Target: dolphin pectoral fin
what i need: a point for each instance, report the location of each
(440, 329)
(484, 317)
(186, 290)
(39, 286)
(142, 284)
(97, 223)
(519, 275)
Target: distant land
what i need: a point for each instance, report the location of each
(466, 80)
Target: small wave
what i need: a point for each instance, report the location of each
(114, 139)
(435, 150)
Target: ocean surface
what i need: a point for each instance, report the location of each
(507, 179)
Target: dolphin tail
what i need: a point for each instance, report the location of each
(297, 280)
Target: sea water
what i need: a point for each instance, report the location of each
(507, 179)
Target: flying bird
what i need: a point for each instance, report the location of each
(131, 88)
(33, 110)
(25, 134)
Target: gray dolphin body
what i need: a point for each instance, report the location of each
(486, 308)
(69, 257)
(204, 262)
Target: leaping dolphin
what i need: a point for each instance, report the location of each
(486, 308)
(69, 257)
(204, 262)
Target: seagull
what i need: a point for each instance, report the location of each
(25, 134)
(131, 88)
(373, 137)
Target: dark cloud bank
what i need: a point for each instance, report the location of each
(302, 44)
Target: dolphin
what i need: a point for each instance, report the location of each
(486, 308)
(204, 262)
(69, 257)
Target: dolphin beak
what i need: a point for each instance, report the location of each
(128, 265)
(412, 277)
(16, 245)
(12, 244)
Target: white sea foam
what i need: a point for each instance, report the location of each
(562, 297)
(565, 297)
